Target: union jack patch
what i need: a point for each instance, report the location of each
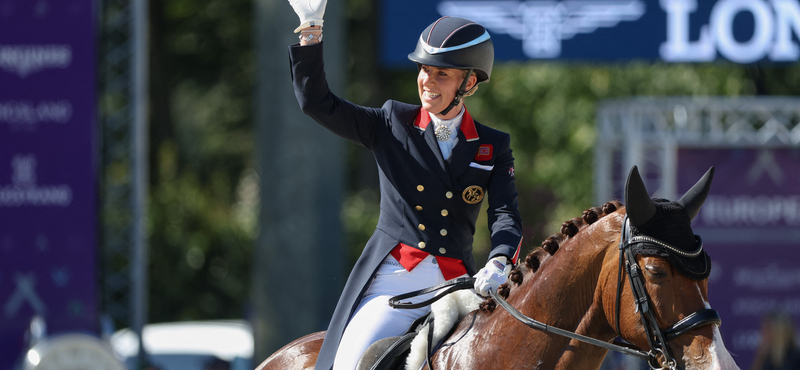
(511, 171)
(484, 152)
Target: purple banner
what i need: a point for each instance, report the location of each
(47, 169)
(750, 225)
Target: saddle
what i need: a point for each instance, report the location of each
(391, 353)
(426, 334)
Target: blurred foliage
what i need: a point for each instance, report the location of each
(204, 191)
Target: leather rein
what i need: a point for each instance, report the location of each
(656, 338)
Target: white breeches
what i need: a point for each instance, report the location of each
(374, 319)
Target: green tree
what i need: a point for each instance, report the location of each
(203, 189)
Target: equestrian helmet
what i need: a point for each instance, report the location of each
(453, 42)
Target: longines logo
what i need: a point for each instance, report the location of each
(24, 60)
(542, 25)
(774, 22)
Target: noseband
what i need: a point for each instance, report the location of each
(656, 338)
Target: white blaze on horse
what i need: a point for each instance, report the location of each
(638, 273)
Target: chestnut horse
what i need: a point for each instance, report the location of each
(576, 289)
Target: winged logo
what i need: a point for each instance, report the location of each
(541, 25)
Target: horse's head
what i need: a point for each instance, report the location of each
(671, 269)
(573, 283)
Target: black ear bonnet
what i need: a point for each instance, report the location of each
(671, 225)
(668, 225)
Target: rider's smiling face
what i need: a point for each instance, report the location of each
(438, 86)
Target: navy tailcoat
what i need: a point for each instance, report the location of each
(427, 202)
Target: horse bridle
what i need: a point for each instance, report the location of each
(657, 339)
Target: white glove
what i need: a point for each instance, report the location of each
(309, 11)
(492, 275)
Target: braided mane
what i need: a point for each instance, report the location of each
(549, 247)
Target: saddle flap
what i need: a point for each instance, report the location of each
(387, 353)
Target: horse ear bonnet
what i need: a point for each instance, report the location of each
(669, 222)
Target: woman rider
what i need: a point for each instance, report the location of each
(435, 164)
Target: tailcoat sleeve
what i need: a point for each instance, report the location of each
(505, 222)
(355, 123)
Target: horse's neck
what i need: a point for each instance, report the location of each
(564, 287)
(594, 322)
(561, 293)
(565, 293)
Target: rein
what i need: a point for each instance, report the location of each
(656, 338)
(469, 282)
(451, 285)
(552, 329)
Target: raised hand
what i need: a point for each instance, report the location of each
(310, 12)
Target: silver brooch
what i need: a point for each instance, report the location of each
(442, 133)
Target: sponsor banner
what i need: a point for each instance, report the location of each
(741, 31)
(748, 281)
(749, 225)
(47, 169)
(753, 188)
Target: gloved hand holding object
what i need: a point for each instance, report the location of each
(492, 275)
(309, 11)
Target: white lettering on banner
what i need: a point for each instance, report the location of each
(770, 277)
(747, 210)
(678, 48)
(24, 60)
(749, 340)
(774, 23)
(722, 30)
(24, 191)
(788, 20)
(759, 306)
(29, 113)
(541, 25)
(746, 340)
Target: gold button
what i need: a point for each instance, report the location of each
(444, 212)
(418, 208)
(443, 232)
(421, 245)
(442, 250)
(421, 227)
(420, 187)
(449, 194)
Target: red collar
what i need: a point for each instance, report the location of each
(467, 124)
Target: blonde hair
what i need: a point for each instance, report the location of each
(474, 88)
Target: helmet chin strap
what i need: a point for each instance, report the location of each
(459, 94)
